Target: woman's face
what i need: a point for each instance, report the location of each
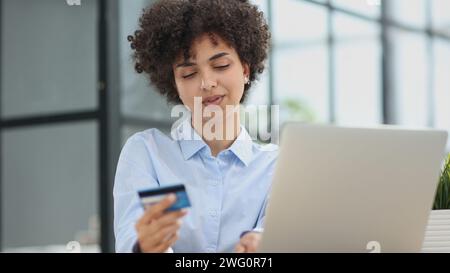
(214, 73)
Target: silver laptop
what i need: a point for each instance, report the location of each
(352, 189)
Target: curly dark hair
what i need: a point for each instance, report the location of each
(168, 27)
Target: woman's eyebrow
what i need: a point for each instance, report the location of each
(219, 55)
(185, 64)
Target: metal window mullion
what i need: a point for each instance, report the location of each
(102, 138)
(332, 115)
(1, 128)
(431, 100)
(271, 80)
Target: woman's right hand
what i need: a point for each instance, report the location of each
(157, 230)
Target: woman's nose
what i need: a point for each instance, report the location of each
(208, 84)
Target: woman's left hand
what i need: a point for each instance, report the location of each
(249, 243)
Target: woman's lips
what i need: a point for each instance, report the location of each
(214, 100)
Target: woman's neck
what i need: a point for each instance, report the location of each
(220, 139)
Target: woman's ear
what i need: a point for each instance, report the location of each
(246, 69)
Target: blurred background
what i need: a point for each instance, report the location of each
(70, 98)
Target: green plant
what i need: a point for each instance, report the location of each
(298, 110)
(442, 199)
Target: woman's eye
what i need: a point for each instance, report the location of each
(222, 66)
(189, 76)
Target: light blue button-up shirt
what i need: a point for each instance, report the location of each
(228, 193)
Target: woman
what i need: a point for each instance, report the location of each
(203, 53)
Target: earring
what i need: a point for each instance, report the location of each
(246, 80)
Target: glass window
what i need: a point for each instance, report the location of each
(441, 15)
(138, 97)
(49, 59)
(49, 186)
(442, 84)
(301, 83)
(300, 60)
(365, 7)
(357, 71)
(410, 76)
(259, 93)
(310, 21)
(407, 12)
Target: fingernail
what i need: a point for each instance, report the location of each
(171, 197)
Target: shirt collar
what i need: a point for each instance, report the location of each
(191, 143)
(242, 147)
(189, 140)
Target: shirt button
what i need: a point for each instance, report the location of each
(210, 250)
(214, 183)
(213, 213)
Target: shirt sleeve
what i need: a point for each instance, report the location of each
(137, 249)
(134, 171)
(259, 226)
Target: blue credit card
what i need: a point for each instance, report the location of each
(152, 196)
